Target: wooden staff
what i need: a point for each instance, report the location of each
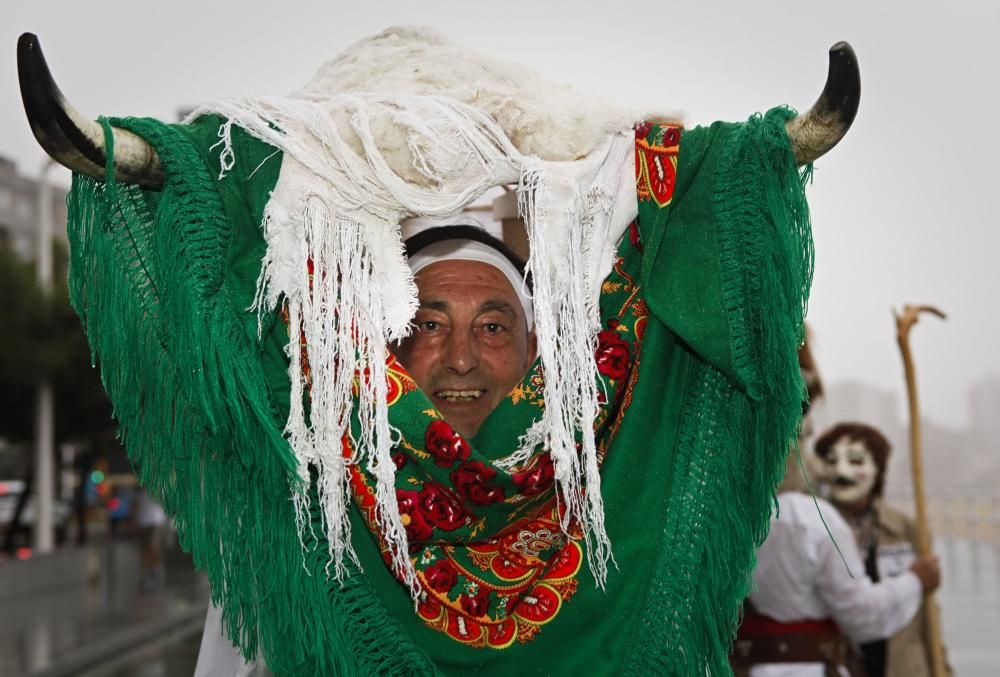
(903, 324)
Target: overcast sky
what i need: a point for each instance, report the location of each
(900, 209)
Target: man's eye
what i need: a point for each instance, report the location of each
(428, 325)
(493, 328)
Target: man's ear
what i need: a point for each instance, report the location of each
(532, 347)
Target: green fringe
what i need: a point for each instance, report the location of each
(204, 432)
(200, 424)
(727, 466)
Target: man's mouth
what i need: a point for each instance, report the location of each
(456, 396)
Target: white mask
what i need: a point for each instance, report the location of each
(850, 470)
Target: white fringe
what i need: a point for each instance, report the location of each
(340, 209)
(563, 227)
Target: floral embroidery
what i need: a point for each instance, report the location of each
(536, 479)
(533, 543)
(441, 507)
(399, 382)
(514, 609)
(433, 507)
(444, 444)
(472, 482)
(441, 577)
(532, 390)
(656, 162)
(613, 358)
(417, 528)
(476, 605)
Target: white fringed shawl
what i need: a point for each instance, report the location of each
(406, 124)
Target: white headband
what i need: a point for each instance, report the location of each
(471, 250)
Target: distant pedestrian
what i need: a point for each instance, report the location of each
(152, 523)
(813, 603)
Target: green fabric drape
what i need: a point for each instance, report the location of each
(163, 279)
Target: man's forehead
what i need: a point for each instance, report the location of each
(471, 263)
(455, 276)
(442, 285)
(444, 305)
(470, 271)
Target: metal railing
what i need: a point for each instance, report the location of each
(958, 513)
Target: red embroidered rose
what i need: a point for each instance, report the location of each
(399, 459)
(612, 353)
(441, 577)
(441, 507)
(446, 445)
(671, 136)
(477, 605)
(472, 482)
(417, 527)
(642, 130)
(538, 479)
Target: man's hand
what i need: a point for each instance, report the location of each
(928, 571)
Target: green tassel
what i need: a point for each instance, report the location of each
(734, 435)
(147, 277)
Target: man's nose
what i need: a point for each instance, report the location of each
(461, 352)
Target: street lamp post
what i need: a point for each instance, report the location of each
(44, 397)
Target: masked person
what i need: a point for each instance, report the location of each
(855, 457)
(393, 473)
(813, 602)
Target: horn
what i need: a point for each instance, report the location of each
(71, 139)
(821, 127)
(78, 143)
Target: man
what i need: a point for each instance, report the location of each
(855, 457)
(349, 521)
(474, 338)
(813, 600)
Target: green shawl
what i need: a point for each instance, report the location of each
(716, 272)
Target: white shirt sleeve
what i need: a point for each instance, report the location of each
(864, 610)
(217, 657)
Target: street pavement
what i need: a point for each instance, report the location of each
(970, 605)
(73, 629)
(117, 629)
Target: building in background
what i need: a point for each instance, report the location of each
(19, 207)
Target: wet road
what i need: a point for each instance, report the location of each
(51, 625)
(69, 626)
(970, 606)
(173, 656)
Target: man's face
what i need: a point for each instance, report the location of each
(851, 471)
(471, 345)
